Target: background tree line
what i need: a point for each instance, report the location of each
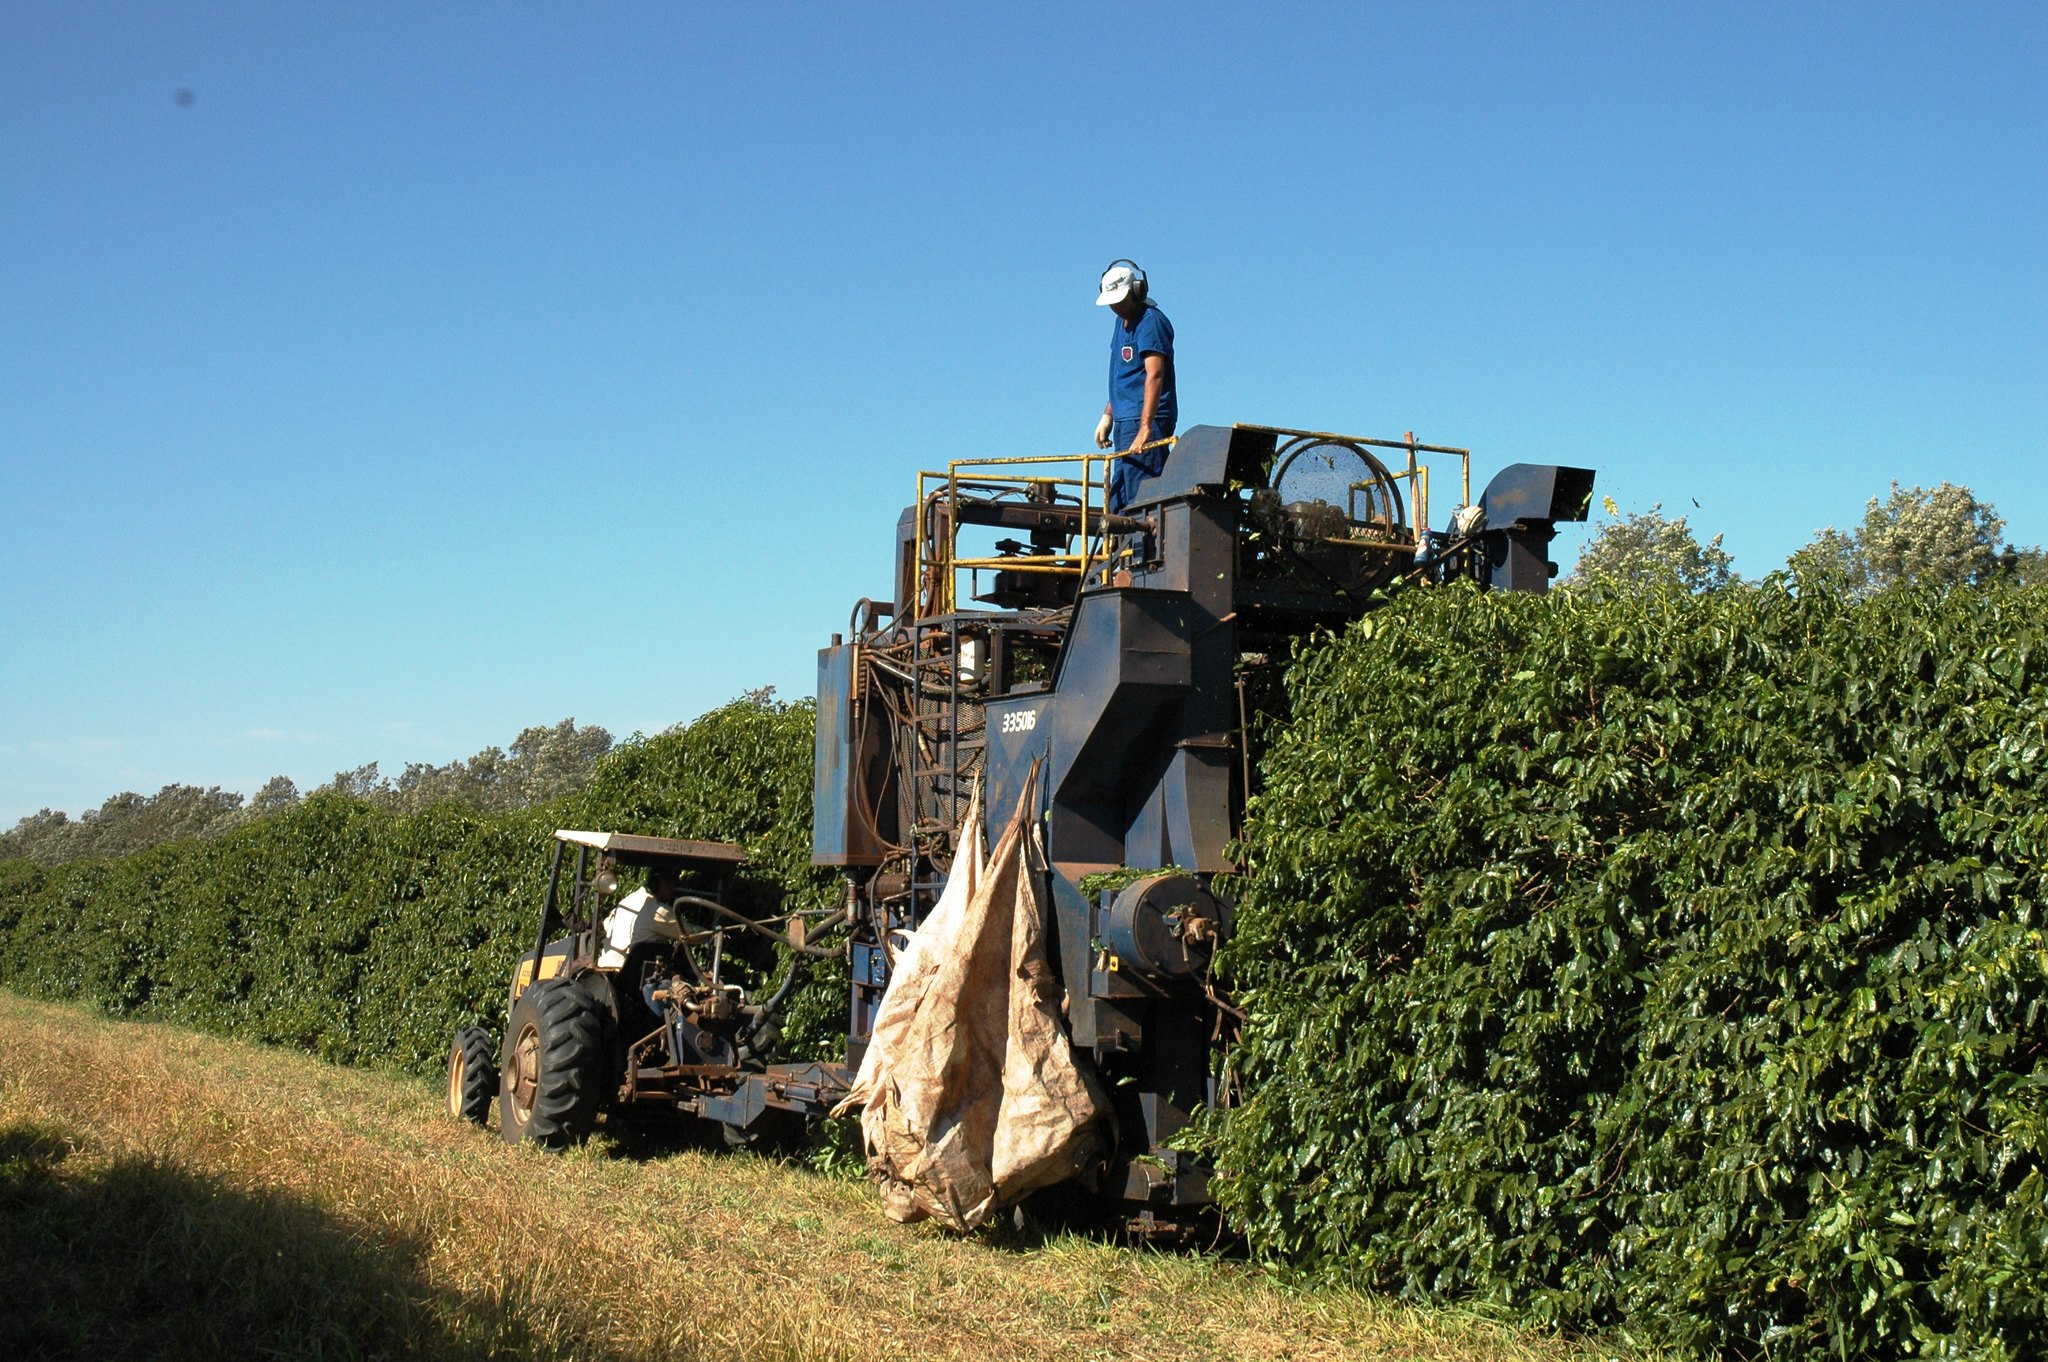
(544, 763)
(1942, 535)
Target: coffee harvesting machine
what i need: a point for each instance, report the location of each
(1119, 667)
(1128, 657)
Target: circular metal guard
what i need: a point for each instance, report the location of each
(1335, 472)
(1344, 510)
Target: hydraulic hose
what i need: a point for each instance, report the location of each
(765, 1013)
(818, 952)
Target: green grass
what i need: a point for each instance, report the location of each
(170, 1195)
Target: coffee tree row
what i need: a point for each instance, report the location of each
(365, 934)
(1665, 962)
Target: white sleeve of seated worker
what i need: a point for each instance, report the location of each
(633, 922)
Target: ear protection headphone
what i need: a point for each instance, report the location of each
(1140, 287)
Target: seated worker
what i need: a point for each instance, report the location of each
(1143, 405)
(643, 915)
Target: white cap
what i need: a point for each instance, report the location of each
(1117, 282)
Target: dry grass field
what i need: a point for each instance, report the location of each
(170, 1195)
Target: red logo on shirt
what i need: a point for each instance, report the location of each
(1127, 354)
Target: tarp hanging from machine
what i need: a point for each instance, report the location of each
(974, 994)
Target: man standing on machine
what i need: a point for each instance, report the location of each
(1142, 405)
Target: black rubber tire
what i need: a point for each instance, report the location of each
(472, 1075)
(553, 1066)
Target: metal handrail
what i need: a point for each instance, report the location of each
(937, 565)
(939, 569)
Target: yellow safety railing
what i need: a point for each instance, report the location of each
(937, 592)
(937, 564)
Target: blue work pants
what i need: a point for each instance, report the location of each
(1133, 469)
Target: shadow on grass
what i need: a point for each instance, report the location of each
(1068, 1211)
(140, 1258)
(832, 1148)
(656, 1132)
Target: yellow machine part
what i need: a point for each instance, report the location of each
(550, 966)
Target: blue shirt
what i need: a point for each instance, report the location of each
(1129, 343)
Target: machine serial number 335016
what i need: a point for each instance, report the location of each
(1023, 721)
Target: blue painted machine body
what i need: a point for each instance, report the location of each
(1130, 694)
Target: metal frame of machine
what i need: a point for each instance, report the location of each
(1128, 656)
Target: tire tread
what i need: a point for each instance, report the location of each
(572, 1067)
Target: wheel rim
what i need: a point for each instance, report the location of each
(455, 1067)
(525, 1072)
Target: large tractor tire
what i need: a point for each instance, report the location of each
(472, 1075)
(554, 1066)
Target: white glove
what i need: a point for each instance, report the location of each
(1102, 431)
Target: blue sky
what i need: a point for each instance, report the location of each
(436, 370)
